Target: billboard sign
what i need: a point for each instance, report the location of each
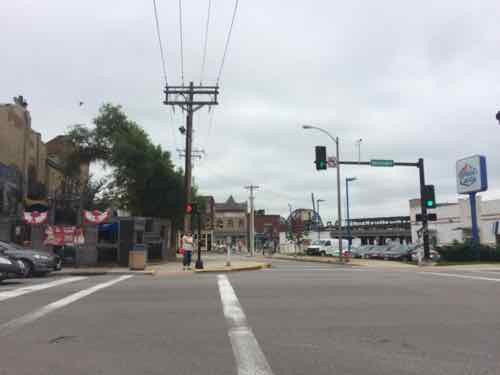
(471, 175)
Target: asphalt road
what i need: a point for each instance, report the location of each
(296, 318)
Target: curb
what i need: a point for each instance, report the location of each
(325, 261)
(252, 267)
(102, 273)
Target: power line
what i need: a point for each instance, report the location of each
(211, 116)
(182, 42)
(227, 41)
(160, 43)
(205, 46)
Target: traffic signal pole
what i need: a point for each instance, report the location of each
(425, 221)
(423, 207)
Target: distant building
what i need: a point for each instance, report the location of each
(375, 230)
(454, 221)
(231, 222)
(207, 225)
(267, 230)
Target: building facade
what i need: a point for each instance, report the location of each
(231, 223)
(267, 230)
(454, 221)
(31, 172)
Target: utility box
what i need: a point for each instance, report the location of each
(138, 255)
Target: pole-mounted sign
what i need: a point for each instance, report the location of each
(471, 179)
(471, 175)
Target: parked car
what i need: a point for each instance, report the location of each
(35, 262)
(398, 252)
(361, 251)
(376, 252)
(323, 247)
(10, 266)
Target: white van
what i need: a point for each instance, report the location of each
(325, 247)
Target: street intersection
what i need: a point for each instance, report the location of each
(295, 318)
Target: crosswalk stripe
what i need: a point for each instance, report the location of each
(249, 357)
(34, 288)
(11, 325)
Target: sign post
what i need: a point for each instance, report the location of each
(472, 178)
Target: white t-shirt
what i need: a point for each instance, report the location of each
(187, 243)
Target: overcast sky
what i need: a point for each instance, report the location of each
(412, 79)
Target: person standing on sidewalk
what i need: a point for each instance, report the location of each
(187, 247)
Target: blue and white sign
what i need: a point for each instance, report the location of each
(471, 175)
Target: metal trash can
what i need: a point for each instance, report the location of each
(137, 257)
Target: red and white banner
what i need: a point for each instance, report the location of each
(60, 236)
(35, 217)
(96, 217)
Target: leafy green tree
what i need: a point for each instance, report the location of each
(143, 180)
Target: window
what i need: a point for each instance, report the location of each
(241, 223)
(230, 223)
(220, 223)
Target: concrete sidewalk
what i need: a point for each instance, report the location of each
(212, 263)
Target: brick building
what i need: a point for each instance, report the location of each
(267, 230)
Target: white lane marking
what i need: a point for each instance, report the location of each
(11, 325)
(34, 288)
(463, 276)
(277, 269)
(250, 359)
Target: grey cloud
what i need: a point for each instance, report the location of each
(413, 79)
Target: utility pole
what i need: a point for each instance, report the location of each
(195, 154)
(314, 220)
(252, 217)
(318, 201)
(425, 226)
(185, 97)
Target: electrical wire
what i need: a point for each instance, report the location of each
(182, 42)
(160, 43)
(211, 116)
(227, 41)
(205, 44)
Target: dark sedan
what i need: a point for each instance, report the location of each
(35, 262)
(9, 265)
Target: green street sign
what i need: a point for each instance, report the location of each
(381, 163)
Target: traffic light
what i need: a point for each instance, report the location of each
(191, 208)
(429, 196)
(320, 158)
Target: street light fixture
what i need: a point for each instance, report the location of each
(498, 116)
(349, 238)
(318, 218)
(339, 208)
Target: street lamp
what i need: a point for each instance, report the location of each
(498, 116)
(349, 238)
(318, 218)
(339, 208)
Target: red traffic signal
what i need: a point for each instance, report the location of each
(191, 208)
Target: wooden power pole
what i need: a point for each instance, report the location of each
(190, 99)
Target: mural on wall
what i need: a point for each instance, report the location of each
(10, 189)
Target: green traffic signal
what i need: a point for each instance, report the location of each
(430, 203)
